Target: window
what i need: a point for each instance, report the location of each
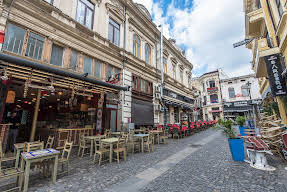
(181, 75)
(203, 86)
(34, 46)
(279, 7)
(189, 81)
(143, 85)
(98, 69)
(176, 116)
(136, 46)
(174, 71)
(109, 72)
(147, 54)
(212, 83)
(57, 55)
(50, 1)
(73, 60)
(231, 92)
(204, 100)
(88, 65)
(114, 32)
(214, 98)
(165, 64)
(14, 39)
(85, 13)
(245, 91)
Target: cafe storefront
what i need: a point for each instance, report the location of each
(51, 101)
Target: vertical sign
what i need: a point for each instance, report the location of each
(100, 112)
(274, 70)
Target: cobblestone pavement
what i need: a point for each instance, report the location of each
(201, 162)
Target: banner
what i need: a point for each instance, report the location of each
(274, 70)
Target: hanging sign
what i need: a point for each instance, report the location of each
(274, 70)
(244, 42)
(100, 112)
(10, 97)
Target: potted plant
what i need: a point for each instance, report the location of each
(240, 120)
(235, 144)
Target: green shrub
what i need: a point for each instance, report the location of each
(240, 120)
(226, 127)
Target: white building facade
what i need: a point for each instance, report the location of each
(238, 95)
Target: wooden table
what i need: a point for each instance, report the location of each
(157, 132)
(92, 140)
(38, 156)
(18, 148)
(111, 141)
(117, 134)
(141, 136)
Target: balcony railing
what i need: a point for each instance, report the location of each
(253, 6)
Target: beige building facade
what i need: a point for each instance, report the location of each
(104, 40)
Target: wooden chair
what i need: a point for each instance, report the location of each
(83, 145)
(34, 146)
(107, 133)
(50, 142)
(148, 144)
(100, 150)
(134, 142)
(65, 156)
(164, 136)
(175, 133)
(121, 148)
(7, 173)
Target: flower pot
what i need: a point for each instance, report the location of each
(237, 149)
(242, 130)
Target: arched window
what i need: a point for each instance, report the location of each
(147, 53)
(231, 92)
(136, 46)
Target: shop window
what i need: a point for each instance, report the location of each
(214, 98)
(136, 46)
(35, 46)
(147, 53)
(212, 83)
(98, 69)
(245, 91)
(88, 65)
(73, 60)
(57, 55)
(114, 32)
(14, 39)
(231, 92)
(85, 13)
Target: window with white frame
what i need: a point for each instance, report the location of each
(245, 91)
(73, 60)
(231, 92)
(85, 13)
(181, 75)
(14, 39)
(164, 64)
(57, 55)
(34, 46)
(98, 69)
(114, 32)
(174, 71)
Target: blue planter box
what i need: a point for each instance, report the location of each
(237, 149)
(242, 130)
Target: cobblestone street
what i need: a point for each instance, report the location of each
(201, 162)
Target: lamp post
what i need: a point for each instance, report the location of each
(162, 74)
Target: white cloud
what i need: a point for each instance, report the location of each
(208, 31)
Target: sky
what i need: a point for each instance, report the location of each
(206, 30)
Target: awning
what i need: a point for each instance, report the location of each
(175, 102)
(24, 69)
(142, 112)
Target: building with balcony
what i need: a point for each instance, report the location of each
(112, 42)
(211, 97)
(238, 95)
(266, 27)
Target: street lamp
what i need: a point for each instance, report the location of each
(162, 74)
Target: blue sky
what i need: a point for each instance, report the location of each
(206, 29)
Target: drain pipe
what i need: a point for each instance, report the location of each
(124, 65)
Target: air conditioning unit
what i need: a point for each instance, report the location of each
(157, 95)
(157, 107)
(157, 88)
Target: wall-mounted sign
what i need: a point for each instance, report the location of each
(274, 70)
(240, 103)
(244, 42)
(10, 97)
(115, 80)
(211, 89)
